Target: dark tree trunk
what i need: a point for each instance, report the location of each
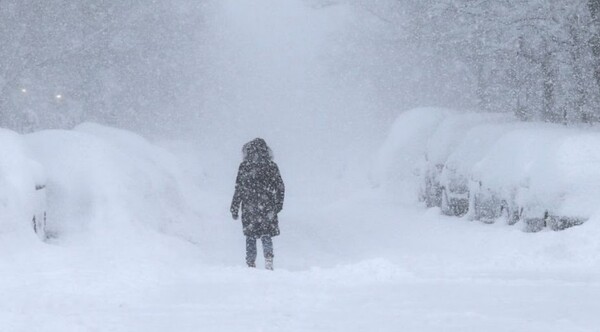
(548, 90)
(594, 6)
(481, 93)
(581, 97)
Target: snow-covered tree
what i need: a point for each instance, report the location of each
(533, 58)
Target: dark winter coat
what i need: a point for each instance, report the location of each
(259, 190)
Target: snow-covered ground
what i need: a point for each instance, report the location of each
(142, 241)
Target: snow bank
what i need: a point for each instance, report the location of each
(401, 159)
(19, 176)
(534, 170)
(107, 182)
(419, 140)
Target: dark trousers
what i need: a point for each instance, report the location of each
(267, 244)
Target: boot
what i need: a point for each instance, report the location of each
(269, 263)
(251, 264)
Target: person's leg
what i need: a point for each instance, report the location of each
(267, 243)
(251, 251)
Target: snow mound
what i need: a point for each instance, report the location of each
(20, 174)
(418, 140)
(402, 156)
(107, 182)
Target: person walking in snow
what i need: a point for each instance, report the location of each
(259, 190)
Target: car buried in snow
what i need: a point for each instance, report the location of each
(431, 189)
(456, 178)
(478, 201)
(527, 204)
(553, 212)
(491, 169)
(454, 192)
(490, 205)
(22, 187)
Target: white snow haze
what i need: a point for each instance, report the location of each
(277, 75)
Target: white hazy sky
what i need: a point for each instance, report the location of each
(279, 72)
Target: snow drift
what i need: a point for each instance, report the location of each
(99, 180)
(20, 175)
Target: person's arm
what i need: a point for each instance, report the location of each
(237, 196)
(280, 187)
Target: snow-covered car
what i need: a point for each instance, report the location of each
(22, 187)
(520, 204)
(431, 191)
(443, 188)
(489, 206)
(456, 179)
(558, 223)
(448, 135)
(492, 168)
(541, 176)
(454, 192)
(550, 210)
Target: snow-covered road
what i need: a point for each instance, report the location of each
(342, 299)
(433, 274)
